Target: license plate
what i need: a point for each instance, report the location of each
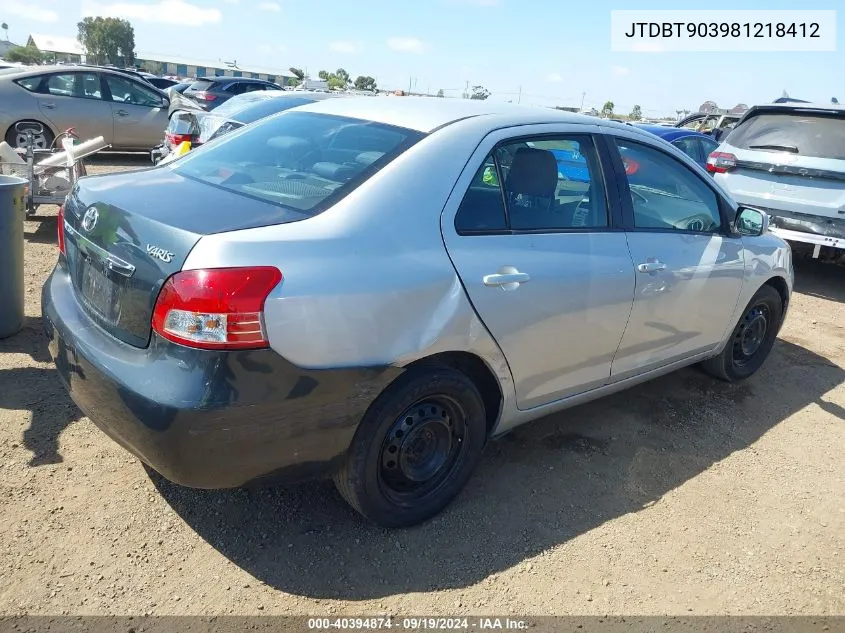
(100, 293)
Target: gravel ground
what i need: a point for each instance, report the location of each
(683, 496)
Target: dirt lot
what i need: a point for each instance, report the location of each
(683, 496)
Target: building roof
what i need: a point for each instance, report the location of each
(425, 114)
(56, 44)
(207, 63)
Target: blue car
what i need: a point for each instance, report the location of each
(694, 144)
(572, 166)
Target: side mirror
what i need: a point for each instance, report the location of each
(751, 221)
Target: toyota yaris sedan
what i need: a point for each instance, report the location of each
(339, 291)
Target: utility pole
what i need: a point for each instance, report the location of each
(410, 80)
(583, 95)
(466, 91)
(519, 98)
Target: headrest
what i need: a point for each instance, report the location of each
(533, 172)
(368, 158)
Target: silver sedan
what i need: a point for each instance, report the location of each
(371, 290)
(128, 114)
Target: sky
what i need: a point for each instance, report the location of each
(542, 52)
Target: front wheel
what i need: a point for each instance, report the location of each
(751, 340)
(415, 448)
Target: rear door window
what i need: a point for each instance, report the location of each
(811, 135)
(30, 83)
(125, 90)
(299, 160)
(60, 85)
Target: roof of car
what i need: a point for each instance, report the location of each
(793, 105)
(426, 114)
(226, 78)
(668, 133)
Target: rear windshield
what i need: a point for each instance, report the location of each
(202, 84)
(299, 160)
(812, 135)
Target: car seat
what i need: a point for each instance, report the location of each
(530, 188)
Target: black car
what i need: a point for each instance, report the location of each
(198, 127)
(211, 92)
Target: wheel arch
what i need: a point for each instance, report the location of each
(779, 283)
(47, 126)
(479, 372)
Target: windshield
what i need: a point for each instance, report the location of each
(803, 134)
(300, 160)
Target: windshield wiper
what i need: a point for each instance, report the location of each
(780, 148)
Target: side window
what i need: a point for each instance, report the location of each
(665, 194)
(689, 146)
(236, 88)
(126, 91)
(549, 183)
(60, 85)
(708, 146)
(30, 83)
(483, 207)
(90, 85)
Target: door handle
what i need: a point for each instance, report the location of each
(651, 266)
(49, 106)
(122, 113)
(503, 279)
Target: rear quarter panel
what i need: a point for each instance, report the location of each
(368, 282)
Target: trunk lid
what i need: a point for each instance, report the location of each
(125, 234)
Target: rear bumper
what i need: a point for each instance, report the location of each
(206, 419)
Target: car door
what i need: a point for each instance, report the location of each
(75, 100)
(139, 112)
(689, 265)
(541, 259)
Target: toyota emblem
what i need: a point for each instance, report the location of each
(89, 220)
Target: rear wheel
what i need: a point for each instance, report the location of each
(41, 135)
(751, 340)
(415, 448)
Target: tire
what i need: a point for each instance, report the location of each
(430, 415)
(749, 345)
(15, 139)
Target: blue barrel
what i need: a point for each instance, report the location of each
(12, 214)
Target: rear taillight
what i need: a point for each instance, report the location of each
(175, 139)
(720, 162)
(60, 230)
(631, 166)
(216, 308)
(205, 96)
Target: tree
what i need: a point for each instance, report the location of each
(5, 28)
(607, 109)
(636, 113)
(108, 40)
(25, 55)
(298, 72)
(324, 75)
(440, 93)
(365, 82)
(479, 92)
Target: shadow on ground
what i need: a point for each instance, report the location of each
(538, 487)
(818, 279)
(38, 390)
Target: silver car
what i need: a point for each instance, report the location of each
(788, 159)
(372, 291)
(127, 113)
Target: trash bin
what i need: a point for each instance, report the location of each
(12, 214)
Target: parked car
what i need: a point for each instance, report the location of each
(198, 127)
(128, 113)
(696, 145)
(212, 92)
(161, 83)
(715, 124)
(335, 291)
(789, 160)
(572, 165)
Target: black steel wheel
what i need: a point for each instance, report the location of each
(752, 338)
(415, 448)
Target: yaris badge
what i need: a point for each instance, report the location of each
(159, 253)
